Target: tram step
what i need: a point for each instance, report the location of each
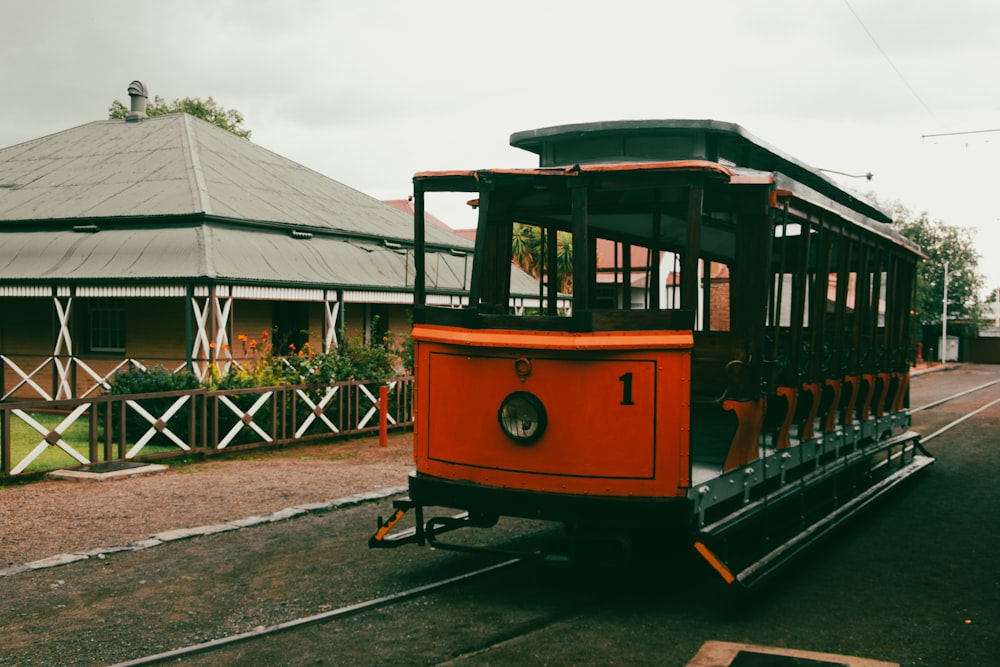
(752, 573)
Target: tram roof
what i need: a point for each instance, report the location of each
(785, 186)
(677, 139)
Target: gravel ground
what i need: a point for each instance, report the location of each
(45, 518)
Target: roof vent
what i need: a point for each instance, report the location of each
(296, 234)
(86, 229)
(138, 92)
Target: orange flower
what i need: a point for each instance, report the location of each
(242, 338)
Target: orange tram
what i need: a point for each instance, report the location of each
(727, 361)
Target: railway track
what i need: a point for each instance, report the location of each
(246, 638)
(315, 619)
(961, 394)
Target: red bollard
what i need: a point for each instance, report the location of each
(383, 416)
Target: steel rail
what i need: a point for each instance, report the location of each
(348, 610)
(958, 421)
(954, 396)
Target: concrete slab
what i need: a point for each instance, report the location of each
(103, 472)
(732, 654)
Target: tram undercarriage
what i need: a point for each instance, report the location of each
(745, 523)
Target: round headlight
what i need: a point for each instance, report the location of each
(522, 417)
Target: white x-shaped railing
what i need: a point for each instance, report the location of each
(157, 425)
(26, 378)
(50, 438)
(101, 381)
(373, 410)
(317, 411)
(244, 419)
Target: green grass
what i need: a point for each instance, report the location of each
(24, 438)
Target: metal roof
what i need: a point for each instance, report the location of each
(177, 164)
(173, 197)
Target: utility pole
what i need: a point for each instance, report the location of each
(944, 311)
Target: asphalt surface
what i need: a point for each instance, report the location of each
(912, 581)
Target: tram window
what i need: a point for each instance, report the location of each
(852, 291)
(717, 290)
(788, 230)
(625, 276)
(880, 299)
(831, 294)
(532, 252)
(782, 301)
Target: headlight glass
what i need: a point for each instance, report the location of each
(522, 417)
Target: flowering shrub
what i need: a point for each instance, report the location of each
(262, 366)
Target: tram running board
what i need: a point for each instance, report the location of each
(753, 573)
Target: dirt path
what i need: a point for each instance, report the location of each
(41, 519)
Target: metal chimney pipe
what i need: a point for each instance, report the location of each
(138, 92)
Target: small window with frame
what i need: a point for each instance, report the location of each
(106, 326)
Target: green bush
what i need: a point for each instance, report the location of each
(150, 380)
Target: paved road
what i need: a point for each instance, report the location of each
(913, 582)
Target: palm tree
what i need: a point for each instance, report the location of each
(528, 252)
(526, 248)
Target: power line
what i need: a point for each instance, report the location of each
(888, 59)
(955, 134)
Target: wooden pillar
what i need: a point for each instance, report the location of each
(581, 251)
(62, 353)
(419, 287)
(689, 260)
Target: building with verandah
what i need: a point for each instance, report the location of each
(166, 240)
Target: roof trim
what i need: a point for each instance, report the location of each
(700, 166)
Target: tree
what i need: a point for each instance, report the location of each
(528, 251)
(943, 244)
(228, 119)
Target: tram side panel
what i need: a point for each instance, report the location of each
(616, 420)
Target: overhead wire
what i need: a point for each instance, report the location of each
(888, 59)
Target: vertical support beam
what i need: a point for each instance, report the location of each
(189, 329)
(798, 315)
(222, 354)
(581, 251)
(706, 295)
(212, 326)
(626, 275)
(200, 350)
(331, 319)
(689, 260)
(62, 353)
(419, 278)
(818, 300)
(552, 305)
(341, 315)
(481, 266)
(655, 279)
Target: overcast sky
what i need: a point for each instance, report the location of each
(368, 92)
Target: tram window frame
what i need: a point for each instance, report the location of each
(881, 304)
(715, 297)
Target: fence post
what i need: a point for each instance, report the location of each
(383, 416)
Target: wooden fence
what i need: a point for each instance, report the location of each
(40, 436)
